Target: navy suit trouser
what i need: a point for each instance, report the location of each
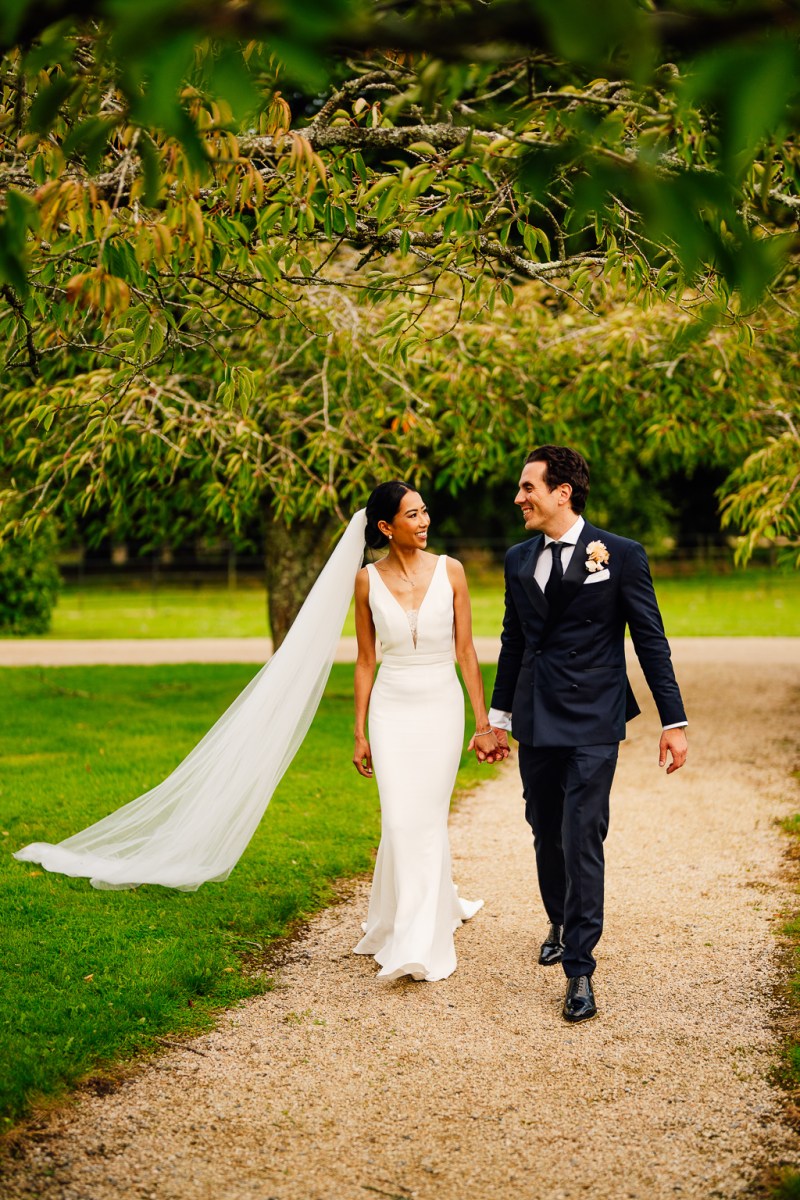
(566, 792)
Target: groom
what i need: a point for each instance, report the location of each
(561, 689)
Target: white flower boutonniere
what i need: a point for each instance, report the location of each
(598, 556)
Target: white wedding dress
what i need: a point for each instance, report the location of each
(416, 732)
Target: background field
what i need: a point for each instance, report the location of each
(91, 976)
(755, 602)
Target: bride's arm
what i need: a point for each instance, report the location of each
(364, 673)
(485, 744)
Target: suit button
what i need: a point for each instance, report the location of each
(574, 687)
(538, 652)
(573, 653)
(587, 622)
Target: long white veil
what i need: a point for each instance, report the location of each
(194, 826)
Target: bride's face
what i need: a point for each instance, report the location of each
(409, 529)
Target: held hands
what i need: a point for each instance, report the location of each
(362, 757)
(673, 742)
(490, 747)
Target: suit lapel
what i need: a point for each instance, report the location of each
(527, 565)
(574, 577)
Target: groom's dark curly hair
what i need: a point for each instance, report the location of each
(563, 465)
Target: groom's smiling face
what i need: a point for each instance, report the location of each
(543, 509)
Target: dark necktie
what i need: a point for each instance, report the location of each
(552, 589)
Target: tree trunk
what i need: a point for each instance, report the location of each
(294, 557)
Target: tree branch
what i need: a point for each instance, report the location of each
(367, 234)
(14, 302)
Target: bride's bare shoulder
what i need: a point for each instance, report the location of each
(362, 582)
(455, 571)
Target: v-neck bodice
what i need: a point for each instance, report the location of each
(432, 621)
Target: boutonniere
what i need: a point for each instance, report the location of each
(597, 556)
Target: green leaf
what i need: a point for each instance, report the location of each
(157, 337)
(89, 139)
(151, 168)
(12, 13)
(141, 331)
(47, 101)
(231, 78)
(750, 86)
(380, 185)
(422, 182)
(23, 213)
(119, 259)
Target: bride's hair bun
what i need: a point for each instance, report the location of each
(382, 506)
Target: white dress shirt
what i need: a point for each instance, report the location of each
(544, 565)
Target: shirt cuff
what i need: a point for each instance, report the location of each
(499, 719)
(677, 725)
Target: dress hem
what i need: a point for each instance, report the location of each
(416, 969)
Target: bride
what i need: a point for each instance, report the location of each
(193, 827)
(416, 603)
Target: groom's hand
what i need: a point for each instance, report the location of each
(674, 743)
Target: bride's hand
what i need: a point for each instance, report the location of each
(488, 747)
(362, 757)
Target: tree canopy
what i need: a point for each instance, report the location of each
(182, 186)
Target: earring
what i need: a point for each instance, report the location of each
(390, 536)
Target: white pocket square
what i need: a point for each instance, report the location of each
(598, 576)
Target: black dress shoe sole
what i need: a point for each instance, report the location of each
(578, 1020)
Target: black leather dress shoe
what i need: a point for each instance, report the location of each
(579, 1003)
(552, 950)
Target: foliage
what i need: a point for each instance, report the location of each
(788, 1187)
(29, 584)
(321, 414)
(169, 147)
(231, 257)
(91, 977)
(326, 415)
(762, 495)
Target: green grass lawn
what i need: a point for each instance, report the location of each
(136, 610)
(757, 603)
(91, 977)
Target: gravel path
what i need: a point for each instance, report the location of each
(334, 1087)
(73, 652)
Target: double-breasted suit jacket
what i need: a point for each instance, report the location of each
(561, 673)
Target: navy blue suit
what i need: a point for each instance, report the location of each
(561, 674)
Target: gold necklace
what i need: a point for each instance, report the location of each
(403, 576)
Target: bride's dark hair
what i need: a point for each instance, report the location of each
(382, 506)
